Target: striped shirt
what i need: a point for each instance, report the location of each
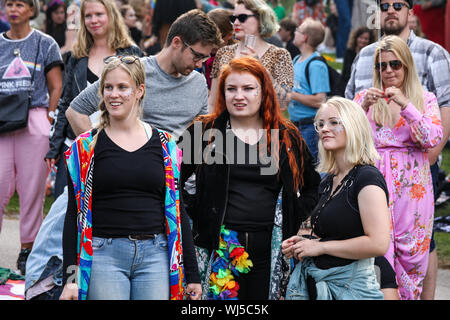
(432, 63)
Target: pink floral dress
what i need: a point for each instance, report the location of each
(404, 164)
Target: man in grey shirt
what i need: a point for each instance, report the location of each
(175, 93)
(433, 67)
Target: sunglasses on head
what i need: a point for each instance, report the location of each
(241, 17)
(124, 59)
(396, 5)
(395, 65)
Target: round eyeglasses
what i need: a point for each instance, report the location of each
(331, 124)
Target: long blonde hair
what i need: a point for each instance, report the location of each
(136, 71)
(360, 147)
(118, 35)
(411, 87)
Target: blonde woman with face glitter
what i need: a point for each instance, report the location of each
(350, 224)
(134, 240)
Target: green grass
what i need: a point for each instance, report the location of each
(443, 238)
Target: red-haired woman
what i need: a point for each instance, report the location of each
(255, 184)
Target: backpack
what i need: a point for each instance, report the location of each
(336, 83)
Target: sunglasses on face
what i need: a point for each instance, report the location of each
(197, 55)
(395, 65)
(241, 17)
(124, 59)
(396, 5)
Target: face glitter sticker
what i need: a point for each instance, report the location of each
(126, 94)
(123, 93)
(256, 91)
(338, 129)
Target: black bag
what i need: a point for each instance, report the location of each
(14, 107)
(336, 86)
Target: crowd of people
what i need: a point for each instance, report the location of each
(279, 178)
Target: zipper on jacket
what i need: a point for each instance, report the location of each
(226, 200)
(76, 82)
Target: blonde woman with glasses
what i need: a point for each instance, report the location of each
(350, 224)
(406, 123)
(125, 233)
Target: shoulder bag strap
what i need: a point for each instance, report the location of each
(34, 71)
(317, 58)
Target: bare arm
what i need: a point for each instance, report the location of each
(212, 94)
(54, 84)
(79, 122)
(311, 100)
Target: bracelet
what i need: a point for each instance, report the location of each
(405, 105)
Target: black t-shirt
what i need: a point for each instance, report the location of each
(128, 189)
(91, 77)
(387, 273)
(252, 196)
(340, 218)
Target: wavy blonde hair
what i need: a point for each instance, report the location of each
(118, 35)
(136, 71)
(411, 86)
(360, 147)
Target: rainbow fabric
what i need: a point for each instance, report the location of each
(80, 164)
(229, 260)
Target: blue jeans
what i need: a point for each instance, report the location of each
(124, 269)
(311, 138)
(344, 8)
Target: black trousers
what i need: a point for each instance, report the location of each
(254, 285)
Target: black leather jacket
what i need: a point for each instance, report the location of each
(208, 206)
(75, 81)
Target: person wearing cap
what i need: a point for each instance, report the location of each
(433, 68)
(26, 53)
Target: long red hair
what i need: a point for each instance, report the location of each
(269, 111)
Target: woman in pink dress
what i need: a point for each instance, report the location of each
(405, 122)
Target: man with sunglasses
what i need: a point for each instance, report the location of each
(433, 67)
(175, 93)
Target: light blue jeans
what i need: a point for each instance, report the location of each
(124, 269)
